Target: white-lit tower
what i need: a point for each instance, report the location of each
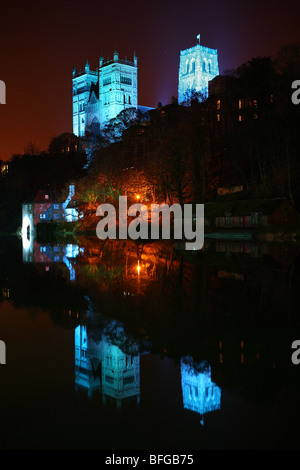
(118, 86)
(198, 65)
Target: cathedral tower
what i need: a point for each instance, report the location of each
(198, 65)
(101, 95)
(82, 82)
(117, 87)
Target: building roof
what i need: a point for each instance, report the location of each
(43, 196)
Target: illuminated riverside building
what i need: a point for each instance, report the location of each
(199, 393)
(198, 65)
(46, 254)
(107, 366)
(44, 208)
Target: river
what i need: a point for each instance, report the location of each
(121, 345)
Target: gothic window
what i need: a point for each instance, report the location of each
(209, 66)
(204, 65)
(129, 361)
(128, 380)
(108, 361)
(107, 81)
(192, 66)
(187, 66)
(129, 99)
(126, 80)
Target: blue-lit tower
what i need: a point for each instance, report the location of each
(198, 65)
(199, 393)
(99, 96)
(117, 86)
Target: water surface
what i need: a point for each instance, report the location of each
(120, 345)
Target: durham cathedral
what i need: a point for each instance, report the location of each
(100, 95)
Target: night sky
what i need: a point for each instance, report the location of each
(41, 41)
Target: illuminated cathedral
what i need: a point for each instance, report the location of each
(100, 95)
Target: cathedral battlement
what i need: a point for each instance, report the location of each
(119, 61)
(82, 72)
(203, 48)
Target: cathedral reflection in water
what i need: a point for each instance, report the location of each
(199, 393)
(107, 360)
(109, 363)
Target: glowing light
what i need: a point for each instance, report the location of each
(26, 233)
(138, 268)
(138, 196)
